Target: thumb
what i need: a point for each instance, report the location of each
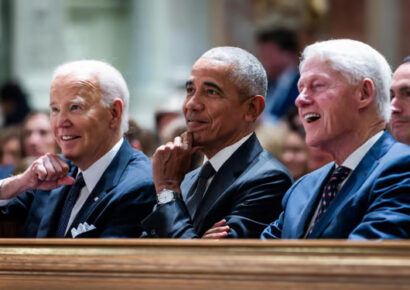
(66, 180)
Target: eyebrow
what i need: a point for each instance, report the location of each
(213, 85)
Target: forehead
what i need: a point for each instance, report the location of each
(402, 72)
(317, 68)
(211, 69)
(71, 86)
(38, 119)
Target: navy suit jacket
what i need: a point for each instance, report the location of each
(123, 196)
(374, 203)
(247, 191)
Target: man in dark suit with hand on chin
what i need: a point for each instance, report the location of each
(239, 187)
(101, 187)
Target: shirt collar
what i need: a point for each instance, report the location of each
(354, 159)
(220, 158)
(93, 173)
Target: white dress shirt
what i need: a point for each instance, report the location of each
(91, 176)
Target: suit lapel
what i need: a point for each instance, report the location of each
(311, 193)
(107, 182)
(227, 175)
(51, 217)
(369, 162)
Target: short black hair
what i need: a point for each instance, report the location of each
(285, 38)
(406, 59)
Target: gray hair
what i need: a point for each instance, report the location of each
(247, 72)
(355, 60)
(111, 82)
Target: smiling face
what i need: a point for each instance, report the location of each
(213, 111)
(38, 138)
(400, 94)
(81, 125)
(327, 106)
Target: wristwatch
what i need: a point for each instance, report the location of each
(166, 195)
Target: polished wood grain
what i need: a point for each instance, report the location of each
(200, 264)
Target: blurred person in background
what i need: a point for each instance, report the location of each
(295, 154)
(11, 151)
(140, 139)
(14, 104)
(400, 101)
(37, 136)
(278, 52)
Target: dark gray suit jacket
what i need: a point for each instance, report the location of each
(246, 191)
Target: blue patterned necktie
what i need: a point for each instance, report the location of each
(69, 203)
(330, 190)
(196, 197)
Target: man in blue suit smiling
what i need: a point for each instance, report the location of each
(101, 187)
(344, 106)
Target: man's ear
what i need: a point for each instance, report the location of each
(255, 107)
(116, 113)
(367, 92)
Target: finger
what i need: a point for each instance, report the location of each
(66, 180)
(58, 169)
(40, 171)
(216, 236)
(65, 167)
(220, 223)
(177, 141)
(187, 140)
(51, 172)
(217, 230)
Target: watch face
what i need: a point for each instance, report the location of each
(165, 196)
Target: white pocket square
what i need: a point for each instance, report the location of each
(82, 228)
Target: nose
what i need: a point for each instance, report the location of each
(194, 102)
(60, 119)
(303, 99)
(395, 105)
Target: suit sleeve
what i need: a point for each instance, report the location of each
(254, 204)
(388, 214)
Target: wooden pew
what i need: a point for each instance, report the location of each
(200, 264)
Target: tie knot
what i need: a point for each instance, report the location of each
(79, 181)
(207, 170)
(339, 174)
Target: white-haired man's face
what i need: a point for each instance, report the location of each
(83, 128)
(400, 101)
(327, 105)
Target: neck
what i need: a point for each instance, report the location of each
(343, 148)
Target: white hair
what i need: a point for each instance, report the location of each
(247, 72)
(355, 60)
(110, 80)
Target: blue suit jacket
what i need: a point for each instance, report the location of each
(123, 196)
(374, 203)
(247, 191)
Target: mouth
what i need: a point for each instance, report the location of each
(311, 117)
(195, 125)
(68, 137)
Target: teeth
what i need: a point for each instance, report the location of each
(65, 138)
(311, 117)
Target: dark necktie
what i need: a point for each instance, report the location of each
(69, 203)
(196, 197)
(330, 190)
